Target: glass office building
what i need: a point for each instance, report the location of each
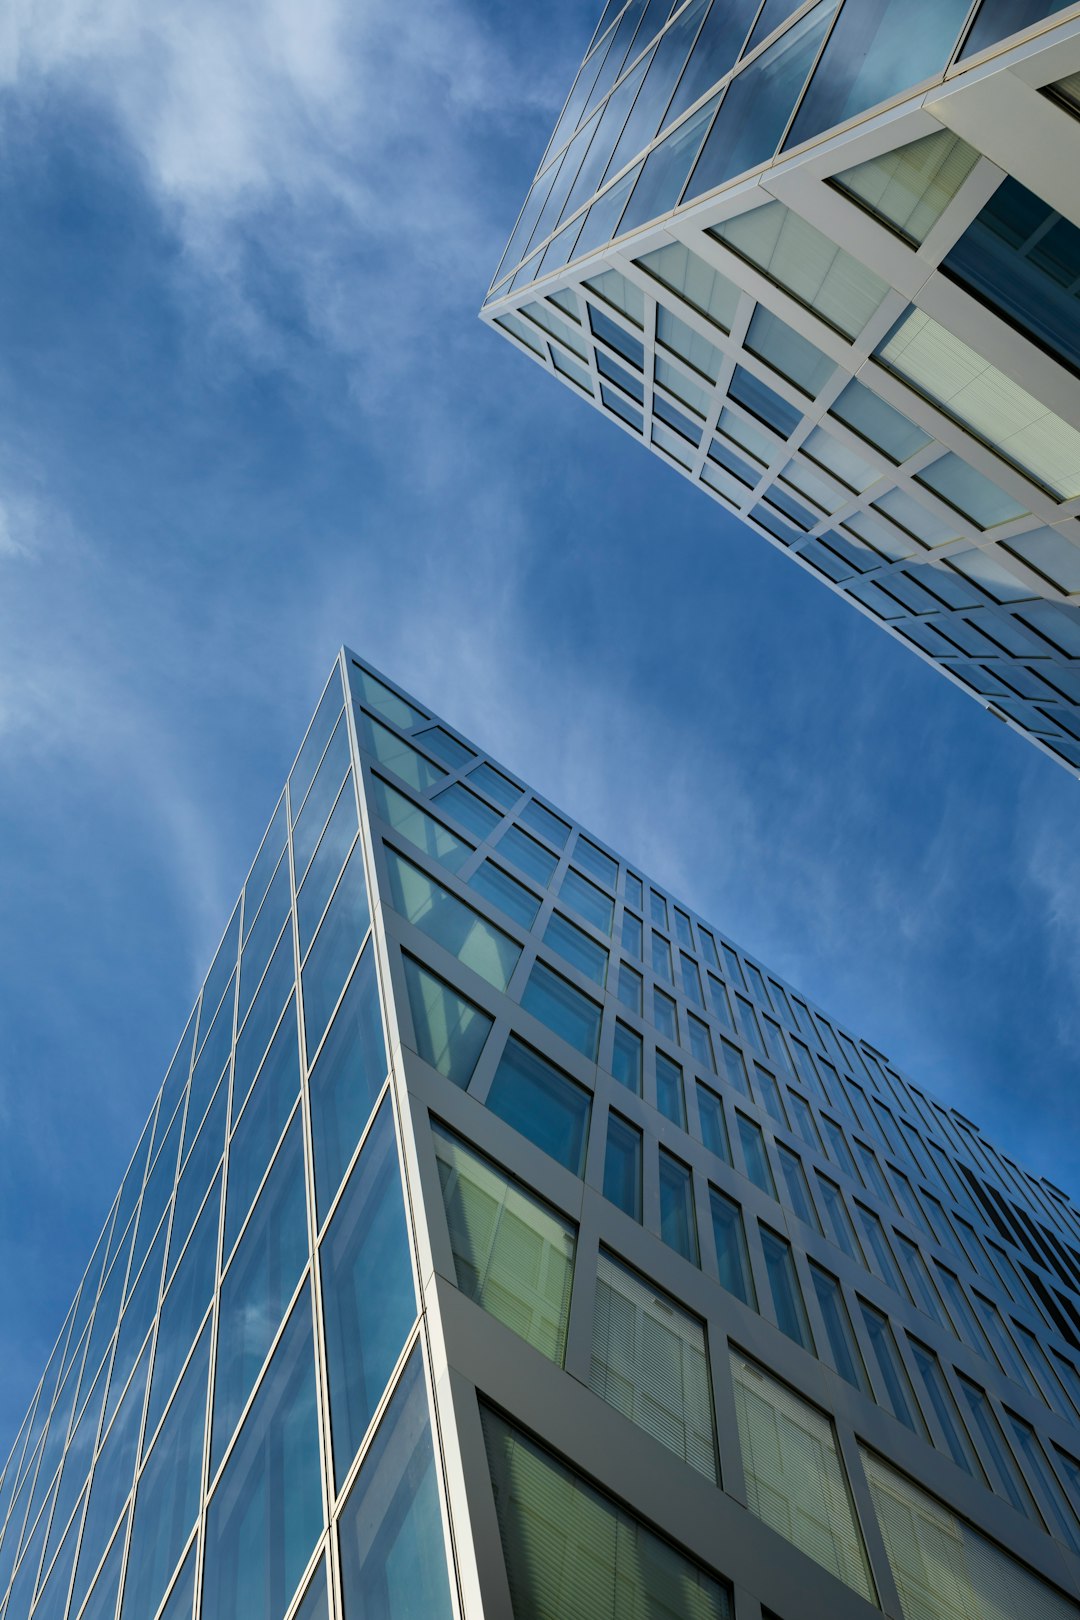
(824, 260)
(505, 1242)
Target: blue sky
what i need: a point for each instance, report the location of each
(247, 413)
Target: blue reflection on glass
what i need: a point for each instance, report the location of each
(368, 1296)
(346, 1079)
(336, 944)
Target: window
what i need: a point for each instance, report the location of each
(492, 782)
(732, 1257)
(449, 748)
(449, 922)
(167, 1500)
(347, 1077)
(529, 856)
(393, 1554)
(868, 415)
(691, 979)
(755, 1156)
(595, 860)
(258, 1286)
(569, 1549)
(669, 1090)
(713, 1128)
(768, 1096)
(546, 1106)
(941, 1403)
(546, 823)
(910, 188)
(734, 1067)
(664, 1015)
(787, 352)
(629, 987)
(703, 288)
(566, 1012)
(513, 1255)
(622, 1166)
(414, 823)
(678, 1223)
(806, 264)
(369, 1301)
(632, 940)
(648, 1362)
(786, 1293)
(976, 394)
(395, 754)
(1061, 1518)
(576, 947)
(335, 947)
(701, 1042)
(877, 1249)
(805, 1125)
(450, 1031)
(922, 1536)
(795, 1480)
(504, 891)
(1004, 1477)
(366, 688)
(661, 958)
(842, 1344)
(798, 1192)
(259, 1536)
(469, 810)
(721, 1005)
(626, 1058)
(587, 900)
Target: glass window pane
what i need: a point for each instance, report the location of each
(495, 784)
(731, 1252)
(309, 821)
(576, 947)
(513, 1255)
(758, 104)
(874, 53)
(538, 816)
(792, 355)
(183, 1307)
(467, 808)
(264, 864)
(923, 1538)
(258, 1286)
(596, 861)
(556, 1003)
(587, 900)
(336, 944)
(755, 1155)
(439, 741)
(786, 1293)
(531, 857)
(893, 1388)
(328, 860)
(910, 188)
(366, 688)
(307, 761)
(979, 396)
(504, 891)
(944, 1408)
(114, 1474)
(622, 1166)
(546, 1106)
(649, 1363)
(450, 923)
(794, 1476)
(195, 1176)
(669, 1090)
(571, 1550)
(394, 754)
(393, 1557)
(369, 1299)
(845, 1352)
(626, 1058)
(254, 1037)
(868, 415)
(450, 1031)
(260, 1125)
(260, 1533)
(629, 987)
(168, 1494)
(678, 1222)
(346, 1080)
(414, 823)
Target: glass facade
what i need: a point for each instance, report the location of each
(866, 349)
(519, 1247)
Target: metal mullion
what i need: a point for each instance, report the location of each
(293, 819)
(234, 1123)
(341, 1496)
(332, 1207)
(322, 830)
(237, 1027)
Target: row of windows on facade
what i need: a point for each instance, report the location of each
(697, 46)
(598, 910)
(650, 1361)
(576, 1018)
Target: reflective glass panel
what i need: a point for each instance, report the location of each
(450, 923)
(339, 938)
(546, 1106)
(450, 1031)
(346, 1079)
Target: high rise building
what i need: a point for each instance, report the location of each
(823, 260)
(505, 1242)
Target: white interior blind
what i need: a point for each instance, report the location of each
(945, 1570)
(513, 1255)
(912, 187)
(806, 264)
(685, 273)
(574, 1554)
(649, 1363)
(794, 1477)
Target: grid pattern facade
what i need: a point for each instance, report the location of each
(505, 1241)
(823, 260)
